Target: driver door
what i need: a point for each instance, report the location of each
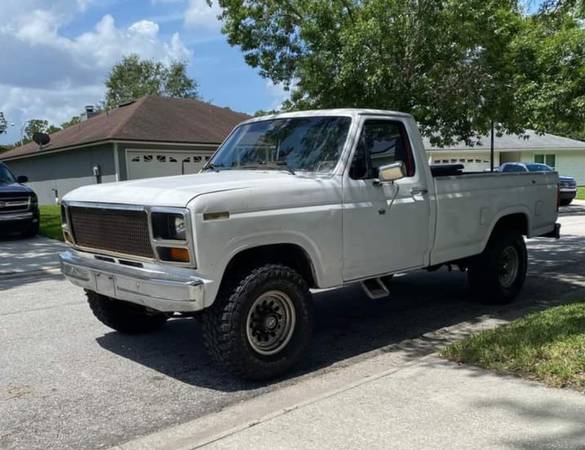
(385, 225)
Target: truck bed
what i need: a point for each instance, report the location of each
(470, 204)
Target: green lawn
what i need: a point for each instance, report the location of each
(581, 193)
(51, 222)
(547, 346)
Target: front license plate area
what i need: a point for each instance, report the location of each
(105, 284)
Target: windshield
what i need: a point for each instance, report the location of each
(311, 144)
(538, 168)
(6, 176)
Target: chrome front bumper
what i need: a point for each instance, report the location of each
(160, 288)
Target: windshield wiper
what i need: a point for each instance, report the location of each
(214, 167)
(285, 165)
(278, 165)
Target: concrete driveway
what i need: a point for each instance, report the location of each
(21, 256)
(68, 382)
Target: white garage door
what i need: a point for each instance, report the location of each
(149, 164)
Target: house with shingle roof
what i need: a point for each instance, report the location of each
(150, 137)
(566, 155)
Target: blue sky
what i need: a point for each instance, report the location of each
(55, 55)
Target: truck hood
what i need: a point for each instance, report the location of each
(176, 191)
(14, 188)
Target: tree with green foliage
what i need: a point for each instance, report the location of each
(73, 121)
(549, 58)
(134, 77)
(560, 7)
(454, 65)
(37, 126)
(3, 123)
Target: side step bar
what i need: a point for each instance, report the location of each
(375, 288)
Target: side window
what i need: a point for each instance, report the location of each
(382, 142)
(513, 168)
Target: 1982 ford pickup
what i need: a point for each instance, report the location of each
(288, 203)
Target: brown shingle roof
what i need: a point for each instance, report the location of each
(150, 118)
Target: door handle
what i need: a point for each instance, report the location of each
(419, 191)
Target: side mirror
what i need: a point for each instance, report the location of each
(21, 179)
(392, 172)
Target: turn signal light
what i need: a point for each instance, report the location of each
(174, 254)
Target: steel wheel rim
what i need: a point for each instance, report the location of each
(270, 323)
(508, 265)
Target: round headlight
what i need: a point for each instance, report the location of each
(180, 229)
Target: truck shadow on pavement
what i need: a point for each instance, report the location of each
(350, 326)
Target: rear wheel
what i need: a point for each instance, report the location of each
(124, 317)
(261, 324)
(498, 274)
(566, 202)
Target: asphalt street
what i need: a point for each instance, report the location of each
(68, 382)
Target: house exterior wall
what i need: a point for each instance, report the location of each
(510, 157)
(568, 163)
(472, 160)
(65, 171)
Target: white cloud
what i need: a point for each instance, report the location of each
(277, 93)
(52, 76)
(202, 16)
(145, 28)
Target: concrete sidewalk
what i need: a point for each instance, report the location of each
(426, 403)
(21, 256)
(432, 404)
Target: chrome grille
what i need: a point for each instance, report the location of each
(113, 230)
(13, 204)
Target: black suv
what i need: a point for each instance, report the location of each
(19, 209)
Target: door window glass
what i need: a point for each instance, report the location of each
(382, 142)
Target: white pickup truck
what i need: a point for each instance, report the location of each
(288, 203)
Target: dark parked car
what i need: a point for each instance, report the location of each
(19, 209)
(568, 185)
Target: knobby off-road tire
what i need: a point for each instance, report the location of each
(124, 317)
(497, 275)
(261, 322)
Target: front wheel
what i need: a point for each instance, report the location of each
(261, 325)
(497, 275)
